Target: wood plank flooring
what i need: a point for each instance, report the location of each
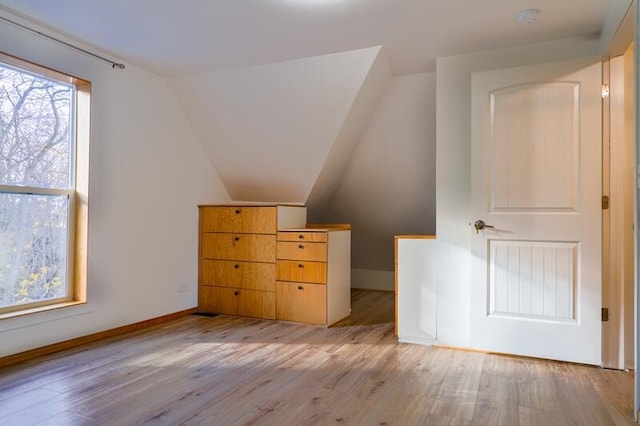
(237, 371)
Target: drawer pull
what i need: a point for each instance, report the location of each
(237, 211)
(236, 239)
(300, 265)
(236, 266)
(301, 237)
(300, 287)
(300, 246)
(235, 293)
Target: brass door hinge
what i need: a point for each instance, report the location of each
(605, 314)
(605, 202)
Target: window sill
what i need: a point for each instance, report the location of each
(40, 309)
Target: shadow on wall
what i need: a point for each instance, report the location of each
(388, 185)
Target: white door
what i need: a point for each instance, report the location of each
(536, 178)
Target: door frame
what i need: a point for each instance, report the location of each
(626, 34)
(617, 219)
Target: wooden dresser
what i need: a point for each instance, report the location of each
(237, 268)
(261, 261)
(314, 275)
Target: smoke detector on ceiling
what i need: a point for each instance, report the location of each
(528, 16)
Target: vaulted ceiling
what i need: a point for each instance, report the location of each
(182, 37)
(280, 91)
(276, 132)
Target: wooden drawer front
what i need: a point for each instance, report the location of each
(252, 247)
(301, 302)
(306, 272)
(314, 237)
(252, 220)
(289, 250)
(234, 301)
(248, 275)
(218, 300)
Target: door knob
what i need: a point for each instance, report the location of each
(479, 224)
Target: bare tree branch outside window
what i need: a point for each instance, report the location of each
(35, 152)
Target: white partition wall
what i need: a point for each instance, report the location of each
(416, 289)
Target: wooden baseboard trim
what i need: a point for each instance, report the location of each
(460, 348)
(68, 344)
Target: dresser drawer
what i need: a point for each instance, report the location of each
(252, 220)
(289, 250)
(301, 302)
(302, 271)
(234, 301)
(248, 275)
(315, 237)
(251, 247)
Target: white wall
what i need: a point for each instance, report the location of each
(269, 129)
(147, 174)
(388, 186)
(617, 10)
(353, 125)
(453, 115)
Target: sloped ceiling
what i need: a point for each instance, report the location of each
(292, 130)
(271, 130)
(172, 38)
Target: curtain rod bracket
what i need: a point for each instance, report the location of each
(114, 65)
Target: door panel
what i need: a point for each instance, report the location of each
(532, 280)
(535, 137)
(536, 180)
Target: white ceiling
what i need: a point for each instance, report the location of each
(174, 38)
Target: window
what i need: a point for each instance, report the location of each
(43, 187)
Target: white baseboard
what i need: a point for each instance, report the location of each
(367, 279)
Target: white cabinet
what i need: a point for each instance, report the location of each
(416, 288)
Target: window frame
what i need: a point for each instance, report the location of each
(77, 195)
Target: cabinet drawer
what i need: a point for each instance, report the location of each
(252, 220)
(289, 250)
(316, 237)
(301, 302)
(234, 301)
(299, 270)
(251, 247)
(248, 275)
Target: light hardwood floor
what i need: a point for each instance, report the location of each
(237, 371)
